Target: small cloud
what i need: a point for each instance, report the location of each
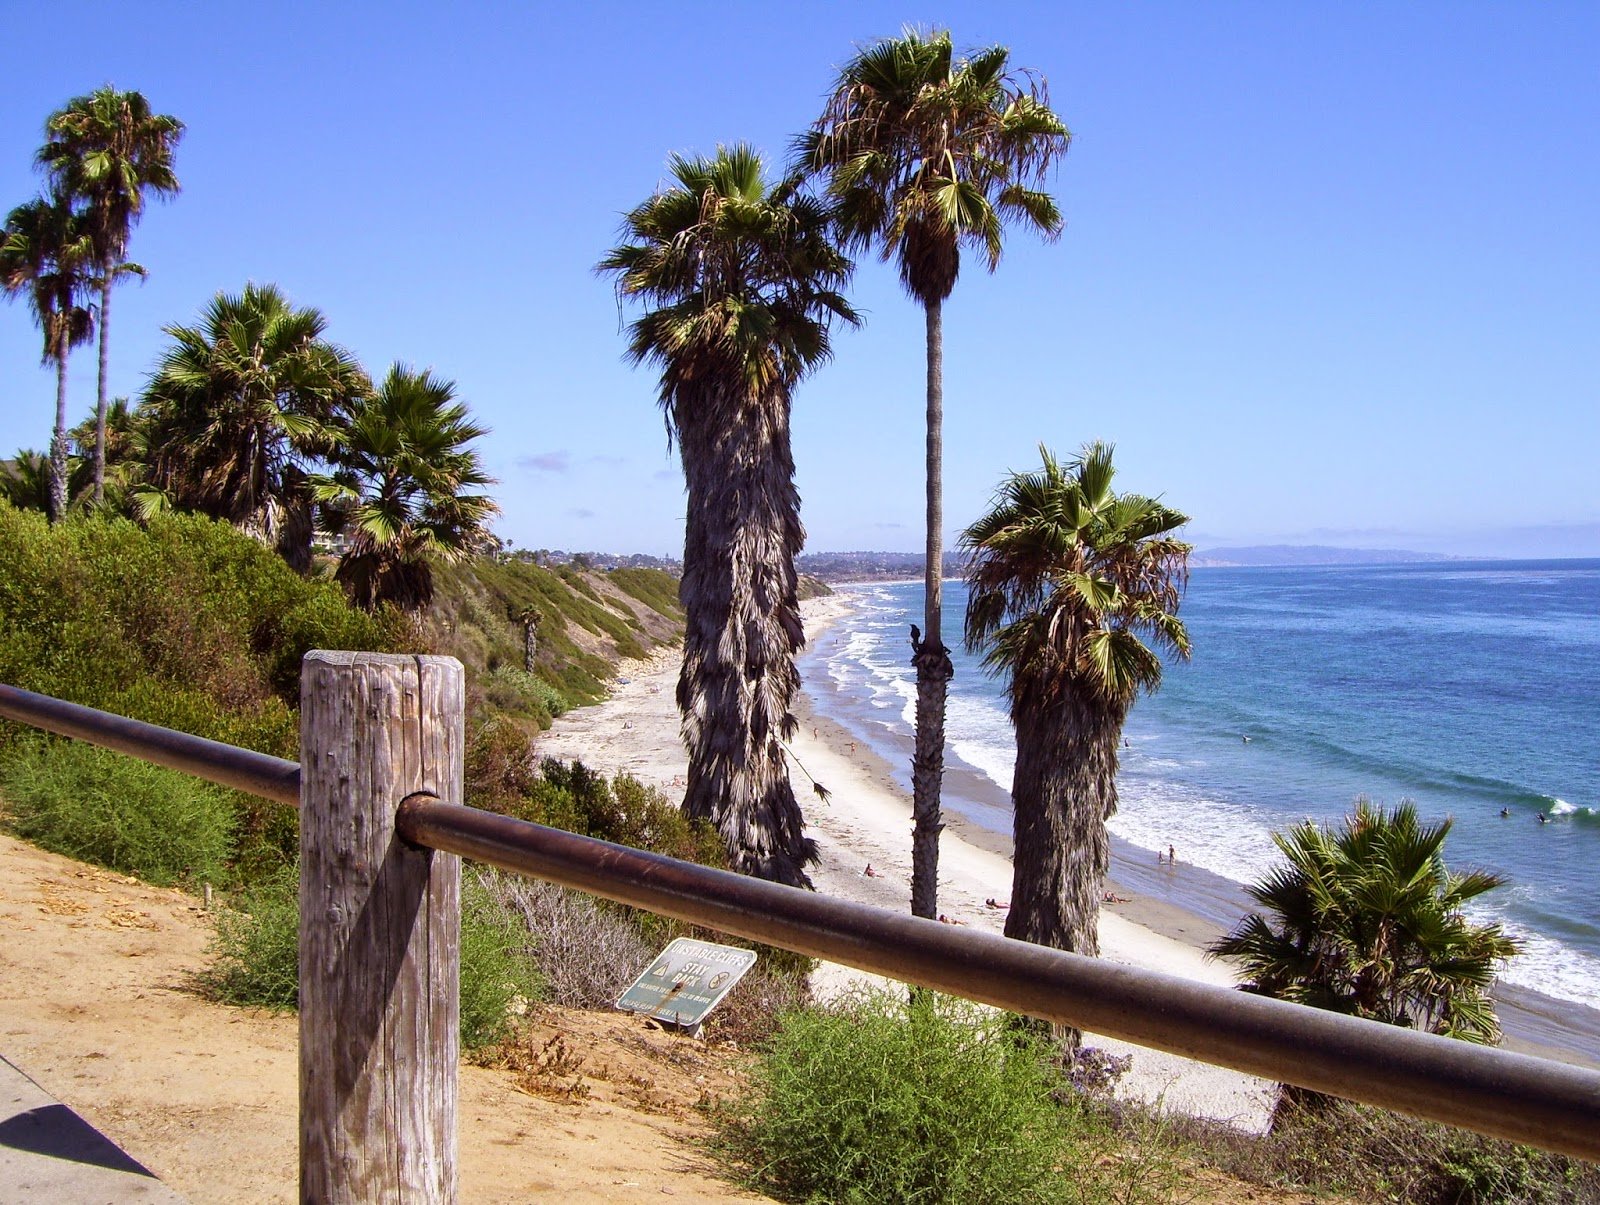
(581, 512)
(889, 526)
(665, 474)
(545, 462)
(615, 461)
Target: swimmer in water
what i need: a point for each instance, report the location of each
(1543, 819)
(1504, 812)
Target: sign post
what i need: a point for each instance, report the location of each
(686, 981)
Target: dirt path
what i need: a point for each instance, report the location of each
(96, 1005)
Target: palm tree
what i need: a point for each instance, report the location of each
(242, 409)
(1065, 577)
(25, 480)
(1366, 920)
(106, 150)
(120, 434)
(925, 153)
(403, 483)
(45, 253)
(741, 283)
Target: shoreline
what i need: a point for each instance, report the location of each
(1164, 921)
(1188, 903)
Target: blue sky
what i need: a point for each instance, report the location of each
(1331, 273)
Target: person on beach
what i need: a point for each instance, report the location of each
(1172, 856)
(869, 872)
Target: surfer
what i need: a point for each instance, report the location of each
(1505, 812)
(1543, 819)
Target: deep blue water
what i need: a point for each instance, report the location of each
(1468, 687)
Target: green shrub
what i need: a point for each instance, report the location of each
(498, 969)
(188, 623)
(256, 961)
(113, 810)
(1370, 1153)
(519, 692)
(499, 767)
(935, 1101)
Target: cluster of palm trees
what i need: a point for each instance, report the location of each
(919, 154)
(1074, 588)
(253, 416)
(102, 154)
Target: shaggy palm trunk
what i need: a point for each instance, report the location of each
(929, 655)
(1063, 792)
(100, 394)
(58, 437)
(743, 629)
(530, 643)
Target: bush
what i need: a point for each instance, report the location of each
(519, 692)
(1362, 1151)
(110, 809)
(498, 972)
(256, 960)
(256, 947)
(936, 1101)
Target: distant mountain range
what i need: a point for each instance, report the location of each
(1307, 554)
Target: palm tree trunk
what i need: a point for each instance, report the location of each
(1063, 792)
(58, 438)
(928, 654)
(741, 602)
(100, 394)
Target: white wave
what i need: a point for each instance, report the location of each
(1551, 968)
(1562, 808)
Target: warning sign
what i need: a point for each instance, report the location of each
(686, 981)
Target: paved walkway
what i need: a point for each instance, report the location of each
(49, 1153)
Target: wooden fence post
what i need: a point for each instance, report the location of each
(380, 926)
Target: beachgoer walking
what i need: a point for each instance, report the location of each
(1172, 855)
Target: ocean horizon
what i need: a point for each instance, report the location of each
(1464, 686)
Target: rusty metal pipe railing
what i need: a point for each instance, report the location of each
(1539, 1101)
(227, 765)
(1545, 1103)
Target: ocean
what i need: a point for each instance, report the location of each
(1467, 687)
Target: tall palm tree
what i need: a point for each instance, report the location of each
(1366, 920)
(925, 154)
(242, 409)
(1067, 580)
(404, 484)
(45, 254)
(740, 283)
(107, 150)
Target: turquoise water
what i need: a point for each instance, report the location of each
(1468, 687)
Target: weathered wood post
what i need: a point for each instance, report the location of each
(380, 925)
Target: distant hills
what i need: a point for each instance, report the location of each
(907, 566)
(1307, 554)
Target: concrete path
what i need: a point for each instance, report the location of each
(49, 1153)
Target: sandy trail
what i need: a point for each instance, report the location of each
(97, 1006)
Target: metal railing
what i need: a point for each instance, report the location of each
(1542, 1102)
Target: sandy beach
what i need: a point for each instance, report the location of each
(868, 822)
